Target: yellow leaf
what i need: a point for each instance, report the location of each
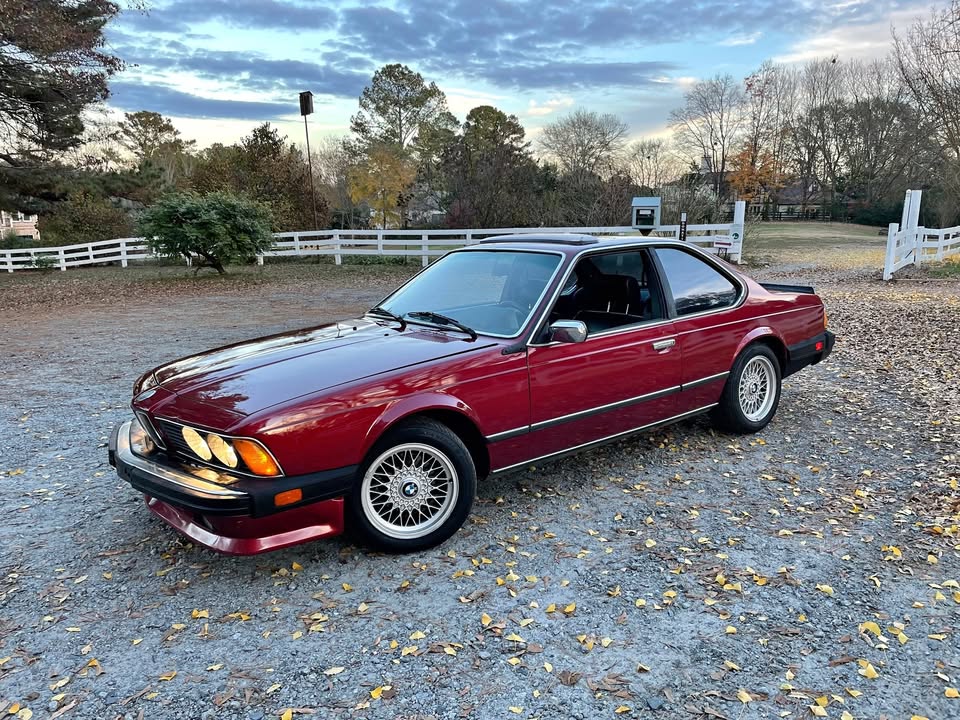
(513, 637)
(951, 692)
(870, 627)
(516, 710)
(378, 691)
(333, 671)
(526, 621)
(214, 667)
(347, 587)
(730, 665)
(853, 693)
(867, 670)
(296, 566)
(485, 619)
(937, 636)
(408, 650)
(551, 608)
(197, 614)
(743, 696)
(650, 542)
(136, 641)
(919, 717)
(166, 677)
(25, 714)
(297, 634)
(730, 630)
(273, 688)
(622, 709)
(822, 701)
(825, 589)
(286, 714)
(640, 602)
(846, 716)
(417, 635)
(514, 661)
(570, 609)
(818, 711)
(605, 642)
(450, 651)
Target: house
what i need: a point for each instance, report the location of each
(23, 226)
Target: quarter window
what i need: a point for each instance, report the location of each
(695, 284)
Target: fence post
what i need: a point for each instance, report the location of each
(9, 256)
(891, 251)
(424, 247)
(736, 230)
(469, 238)
(296, 243)
(379, 243)
(336, 248)
(920, 236)
(123, 252)
(63, 260)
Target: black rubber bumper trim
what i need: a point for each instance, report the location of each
(258, 495)
(803, 354)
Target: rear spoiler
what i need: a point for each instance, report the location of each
(775, 287)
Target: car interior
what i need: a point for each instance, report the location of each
(609, 291)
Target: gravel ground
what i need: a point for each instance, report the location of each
(808, 570)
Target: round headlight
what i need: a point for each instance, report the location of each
(196, 443)
(222, 450)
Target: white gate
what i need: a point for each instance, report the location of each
(910, 244)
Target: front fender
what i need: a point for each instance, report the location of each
(405, 407)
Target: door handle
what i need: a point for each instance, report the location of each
(663, 345)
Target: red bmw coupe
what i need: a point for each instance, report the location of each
(512, 351)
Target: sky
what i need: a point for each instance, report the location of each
(218, 68)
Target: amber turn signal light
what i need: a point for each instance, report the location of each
(288, 497)
(256, 458)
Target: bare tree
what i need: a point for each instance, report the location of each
(652, 164)
(585, 143)
(709, 126)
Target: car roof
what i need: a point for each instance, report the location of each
(567, 243)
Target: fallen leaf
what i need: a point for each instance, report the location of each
(166, 677)
(825, 589)
(334, 671)
(743, 696)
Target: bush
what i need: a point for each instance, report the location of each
(84, 218)
(219, 227)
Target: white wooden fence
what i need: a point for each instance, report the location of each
(724, 238)
(910, 244)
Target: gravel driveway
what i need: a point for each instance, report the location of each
(809, 570)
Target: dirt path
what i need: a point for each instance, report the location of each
(684, 573)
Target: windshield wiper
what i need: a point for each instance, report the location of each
(379, 310)
(439, 319)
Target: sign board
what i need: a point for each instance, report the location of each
(683, 227)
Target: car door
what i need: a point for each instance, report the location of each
(701, 297)
(624, 376)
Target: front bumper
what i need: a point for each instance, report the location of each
(232, 513)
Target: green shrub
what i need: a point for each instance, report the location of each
(219, 227)
(84, 218)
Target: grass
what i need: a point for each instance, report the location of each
(765, 236)
(948, 269)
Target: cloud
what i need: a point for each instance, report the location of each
(536, 109)
(133, 96)
(737, 40)
(182, 16)
(867, 40)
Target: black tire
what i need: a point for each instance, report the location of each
(441, 447)
(729, 415)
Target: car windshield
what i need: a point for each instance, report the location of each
(490, 291)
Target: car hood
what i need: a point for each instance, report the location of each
(251, 376)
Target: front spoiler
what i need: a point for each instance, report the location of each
(236, 515)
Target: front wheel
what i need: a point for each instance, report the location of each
(752, 393)
(416, 488)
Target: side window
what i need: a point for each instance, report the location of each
(695, 284)
(609, 291)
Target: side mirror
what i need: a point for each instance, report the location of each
(568, 331)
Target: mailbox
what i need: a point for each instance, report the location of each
(645, 213)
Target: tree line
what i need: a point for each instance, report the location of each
(831, 137)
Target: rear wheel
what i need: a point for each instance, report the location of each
(416, 488)
(752, 393)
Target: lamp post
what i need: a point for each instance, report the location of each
(306, 108)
